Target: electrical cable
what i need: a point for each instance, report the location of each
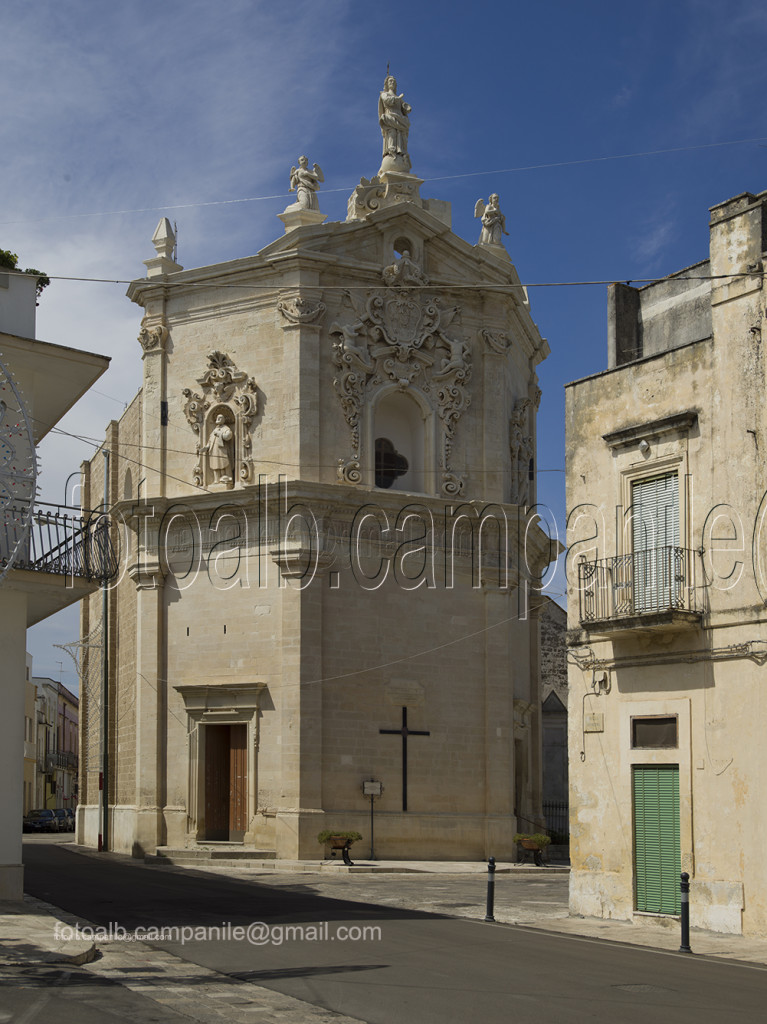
(444, 177)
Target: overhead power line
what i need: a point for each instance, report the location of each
(347, 188)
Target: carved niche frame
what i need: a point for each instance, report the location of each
(231, 393)
(398, 341)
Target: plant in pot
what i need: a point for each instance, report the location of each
(536, 842)
(338, 840)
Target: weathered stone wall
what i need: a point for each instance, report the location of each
(698, 411)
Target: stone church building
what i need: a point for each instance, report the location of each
(322, 493)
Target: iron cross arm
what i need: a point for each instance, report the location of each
(404, 732)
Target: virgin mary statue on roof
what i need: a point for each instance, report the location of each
(395, 127)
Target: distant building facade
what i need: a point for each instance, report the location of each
(30, 740)
(57, 744)
(667, 507)
(553, 619)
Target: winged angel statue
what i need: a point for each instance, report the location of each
(493, 221)
(306, 183)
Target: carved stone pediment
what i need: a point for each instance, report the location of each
(222, 416)
(401, 337)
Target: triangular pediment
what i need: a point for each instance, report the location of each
(369, 245)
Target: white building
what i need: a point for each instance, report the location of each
(49, 570)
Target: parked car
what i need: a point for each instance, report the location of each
(63, 819)
(71, 816)
(41, 820)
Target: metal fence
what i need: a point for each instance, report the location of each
(643, 582)
(557, 815)
(58, 540)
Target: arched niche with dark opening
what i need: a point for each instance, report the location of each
(400, 441)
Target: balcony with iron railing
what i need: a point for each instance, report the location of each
(64, 760)
(58, 540)
(659, 589)
(55, 555)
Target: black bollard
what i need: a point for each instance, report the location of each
(490, 889)
(685, 917)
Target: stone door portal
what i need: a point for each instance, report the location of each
(226, 782)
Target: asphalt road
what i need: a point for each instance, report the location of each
(424, 968)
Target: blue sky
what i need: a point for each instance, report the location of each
(163, 108)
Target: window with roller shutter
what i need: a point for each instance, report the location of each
(655, 538)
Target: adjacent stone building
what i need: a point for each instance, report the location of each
(322, 489)
(667, 495)
(553, 620)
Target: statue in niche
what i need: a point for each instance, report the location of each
(395, 127)
(493, 221)
(306, 183)
(218, 451)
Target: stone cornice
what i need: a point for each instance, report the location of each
(681, 422)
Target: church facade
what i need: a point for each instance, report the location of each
(323, 493)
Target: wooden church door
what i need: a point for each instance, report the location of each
(226, 782)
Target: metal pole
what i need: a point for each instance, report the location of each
(685, 916)
(372, 855)
(105, 680)
(490, 889)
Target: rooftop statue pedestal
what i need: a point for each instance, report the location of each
(296, 216)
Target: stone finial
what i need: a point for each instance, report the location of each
(164, 241)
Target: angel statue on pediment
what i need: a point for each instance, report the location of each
(493, 221)
(306, 183)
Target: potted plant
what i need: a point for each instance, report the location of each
(536, 842)
(338, 840)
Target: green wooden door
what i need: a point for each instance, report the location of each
(657, 854)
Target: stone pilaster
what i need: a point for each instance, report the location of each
(150, 704)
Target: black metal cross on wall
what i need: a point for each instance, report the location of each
(404, 732)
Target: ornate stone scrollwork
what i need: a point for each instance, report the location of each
(496, 341)
(365, 198)
(349, 471)
(452, 485)
(521, 450)
(152, 338)
(301, 311)
(404, 272)
(386, 190)
(401, 338)
(222, 417)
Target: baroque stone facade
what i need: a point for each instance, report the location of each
(327, 578)
(666, 497)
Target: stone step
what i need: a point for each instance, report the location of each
(211, 854)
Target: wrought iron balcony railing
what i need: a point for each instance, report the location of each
(58, 540)
(644, 583)
(63, 759)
